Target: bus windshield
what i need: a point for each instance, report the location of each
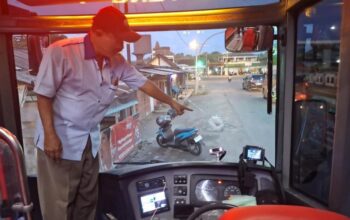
(193, 67)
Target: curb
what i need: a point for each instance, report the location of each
(183, 98)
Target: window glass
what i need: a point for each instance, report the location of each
(71, 7)
(315, 86)
(258, 77)
(234, 116)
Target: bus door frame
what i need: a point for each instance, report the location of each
(339, 199)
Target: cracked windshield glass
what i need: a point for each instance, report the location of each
(226, 91)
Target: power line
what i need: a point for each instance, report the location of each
(179, 35)
(183, 41)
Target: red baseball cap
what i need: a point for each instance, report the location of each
(110, 19)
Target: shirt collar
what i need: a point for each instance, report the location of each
(88, 48)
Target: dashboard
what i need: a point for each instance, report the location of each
(175, 190)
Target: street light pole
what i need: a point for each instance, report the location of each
(196, 74)
(194, 45)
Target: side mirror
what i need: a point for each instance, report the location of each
(219, 152)
(249, 39)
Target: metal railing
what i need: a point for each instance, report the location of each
(23, 205)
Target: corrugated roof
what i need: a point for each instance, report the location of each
(165, 59)
(170, 70)
(117, 107)
(164, 71)
(155, 71)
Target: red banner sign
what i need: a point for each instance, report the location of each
(123, 138)
(118, 142)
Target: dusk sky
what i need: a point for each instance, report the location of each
(179, 41)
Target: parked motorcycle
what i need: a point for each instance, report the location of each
(186, 139)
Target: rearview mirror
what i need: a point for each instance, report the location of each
(249, 39)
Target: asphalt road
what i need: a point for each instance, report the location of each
(244, 117)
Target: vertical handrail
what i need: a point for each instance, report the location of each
(269, 80)
(17, 152)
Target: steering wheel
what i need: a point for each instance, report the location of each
(210, 207)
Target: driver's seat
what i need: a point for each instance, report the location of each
(280, 212)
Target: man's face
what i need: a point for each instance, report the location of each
(107, 44)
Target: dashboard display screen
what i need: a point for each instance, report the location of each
(254, 154)
(153, 201)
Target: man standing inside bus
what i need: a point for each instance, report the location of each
(76, 83)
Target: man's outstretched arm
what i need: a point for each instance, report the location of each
(152, 90)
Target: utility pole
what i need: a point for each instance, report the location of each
(194, 46)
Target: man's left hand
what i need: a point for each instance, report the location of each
(180, 109)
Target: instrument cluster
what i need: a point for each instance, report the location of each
(211, 188)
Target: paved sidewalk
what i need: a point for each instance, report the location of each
(150, 150)
(182, 99)
(185, 95)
